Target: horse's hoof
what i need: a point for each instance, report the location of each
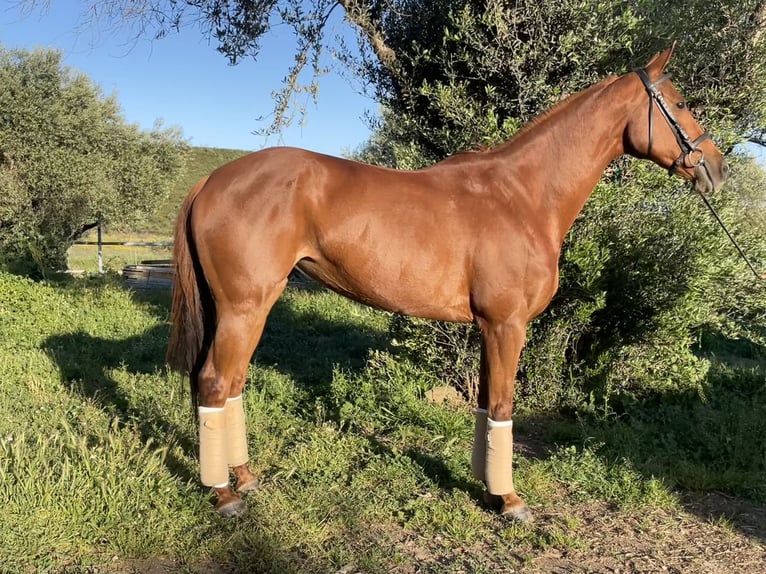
(232, 509)
(250, 486)
(517, 514)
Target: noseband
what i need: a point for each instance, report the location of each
(691, 156)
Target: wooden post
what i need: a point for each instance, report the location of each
(100, 253)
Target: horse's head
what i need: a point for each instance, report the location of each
(662, 129)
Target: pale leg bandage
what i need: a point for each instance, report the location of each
(479, 453)
(213, 470)
(499, 468)
(236, 434)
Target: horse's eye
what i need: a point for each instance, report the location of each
(681, 105)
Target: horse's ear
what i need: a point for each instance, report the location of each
(656, 66)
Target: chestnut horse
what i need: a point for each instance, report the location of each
(476, 237)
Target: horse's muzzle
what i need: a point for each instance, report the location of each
(709, 177)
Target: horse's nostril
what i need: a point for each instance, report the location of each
(724, 169)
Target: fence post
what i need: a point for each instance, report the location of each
(100, 253)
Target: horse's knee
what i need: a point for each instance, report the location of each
(501, 411)
(237, 385)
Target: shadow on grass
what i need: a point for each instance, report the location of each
(442, 475)
(709, 445)
(85, 363)
(299, 343)
(304, 345)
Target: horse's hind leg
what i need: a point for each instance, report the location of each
(223, 441)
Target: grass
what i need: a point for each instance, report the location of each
(698, 443)
(97, 447)
(84, 258)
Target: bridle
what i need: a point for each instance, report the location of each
(691, 156)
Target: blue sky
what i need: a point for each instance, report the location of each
(185, 82)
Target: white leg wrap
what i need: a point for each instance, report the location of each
(236, 433)
(499, 468)
(479, 453)
(213, 470)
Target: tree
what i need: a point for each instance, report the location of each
(476, 71)
(410, 49)
(68, 158)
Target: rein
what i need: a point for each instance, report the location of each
(691, 156)
(731, 238)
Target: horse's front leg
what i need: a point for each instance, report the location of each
(492, 460)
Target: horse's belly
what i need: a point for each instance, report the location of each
(398, 288)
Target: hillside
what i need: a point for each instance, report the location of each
(200, 161)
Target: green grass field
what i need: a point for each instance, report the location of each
(360, 472)
(115, 257)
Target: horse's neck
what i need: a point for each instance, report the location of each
(565, 153)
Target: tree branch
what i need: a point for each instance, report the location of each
(77, 233)
(358, 13)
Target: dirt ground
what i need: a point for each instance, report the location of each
(711, 534)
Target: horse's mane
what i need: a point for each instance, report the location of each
(538, 120)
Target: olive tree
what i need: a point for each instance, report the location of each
(68, 158)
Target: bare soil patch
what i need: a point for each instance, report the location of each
(712, 535)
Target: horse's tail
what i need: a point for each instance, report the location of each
(192, 306)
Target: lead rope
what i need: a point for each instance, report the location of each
(731, 238)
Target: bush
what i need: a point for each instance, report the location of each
(449, 351)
